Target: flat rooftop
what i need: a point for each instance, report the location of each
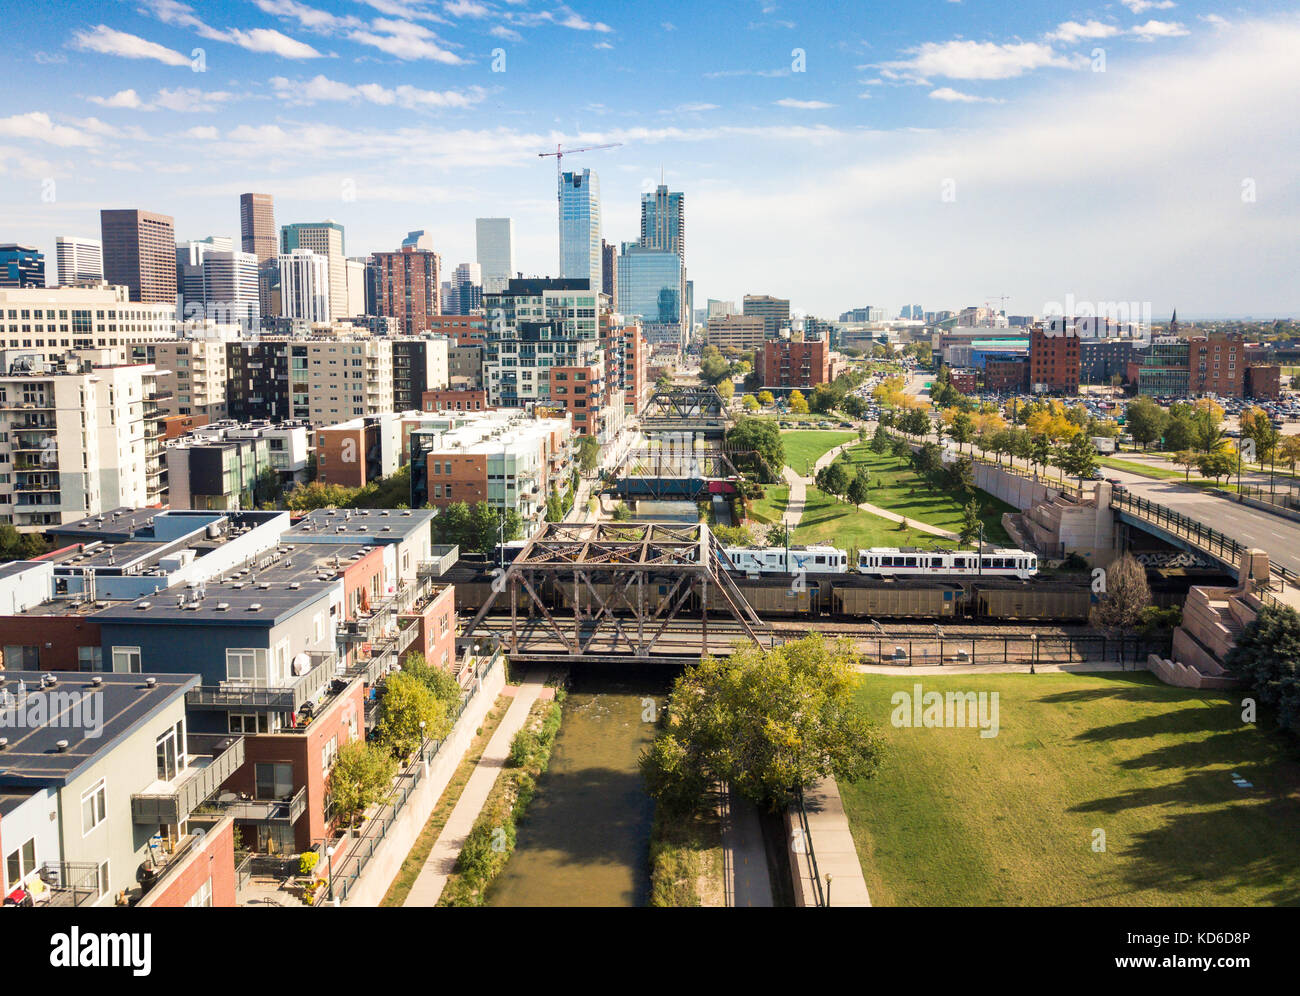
(386, 525)
(236, 602)
(90, 717)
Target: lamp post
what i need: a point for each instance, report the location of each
(1034, 659)
(422, 740)
(828, 889)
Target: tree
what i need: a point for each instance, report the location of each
(824, 398)
(798, 403)
(1288, 451)
(927, 459)
(749, 403)
(860, 487)
(1126, 595)
(1266, 656)
(834, 480)
(1179, 434)
(769, 722)
(763, 436)
(881, 440)
(1078, 457)
(588, 453)
(1040, 451)
(969, 529)
(438, 680)
(765, 398)
(314, 495)
(554, 507)
(962, 430)
(726, 390)
(267, 487)
(621, 513)
(19, 546)
(1218, 464)
(1187, 459)
(360, 777)
(407, 702)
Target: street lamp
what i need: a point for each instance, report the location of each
(421, 740)
(828, 889)
(1034, 659)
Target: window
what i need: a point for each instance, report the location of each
(126, 660)
(170, 752)
(90, 659)
(20, 863)
(274, 781)
(94, 807)
(249, 722)
(204, 895)
(248, 665)
(328, 753)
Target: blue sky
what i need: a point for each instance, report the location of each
(840, 154)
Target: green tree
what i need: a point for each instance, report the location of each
(407, 702)
(588, 454)
(1146, 421)
(1266, 656)
(969, 529)
(361, 776)
(860, 487)
(962, 430)
(1218, 463)
(311, 496)
(769, 722)
(1187, 459)
(1078, 457)
(763, 437)
(749, 403)
(881, 440)
(1179, 434)
(834, 479)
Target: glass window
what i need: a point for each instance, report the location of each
(274, 781)
(94, 807)
(126, 660)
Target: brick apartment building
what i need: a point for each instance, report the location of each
(1053, 361)
(786, 365)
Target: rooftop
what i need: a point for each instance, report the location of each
(382, 525)
(241, 601)
(100, 710)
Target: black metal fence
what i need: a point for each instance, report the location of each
(997, 648)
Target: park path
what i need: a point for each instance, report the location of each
(798, 498)
(744, 857)
(917, 524)
(442, 859)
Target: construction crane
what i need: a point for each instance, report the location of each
(560, 153)
(1002, 301)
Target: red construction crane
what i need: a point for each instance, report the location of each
(560, 153)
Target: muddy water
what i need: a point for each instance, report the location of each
(585, 838)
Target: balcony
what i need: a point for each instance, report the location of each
(287, 810)
(213, 758)
(287, 698)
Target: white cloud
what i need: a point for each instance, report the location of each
(272, 42)
(1072, 31)
(956, 96)
(803, 105)
(321, 88)
(1159, 29)
(123, 98)
(1138, 6)
(311, 18)
(205, 133)
(509, 34)
(466, 8)
(1215, 21)
(971, 60)
(405, 40)
(103, 39)
(37, 126)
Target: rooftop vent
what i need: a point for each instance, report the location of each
(144, 605)
(151, 682)
(97, 680)
(255, 607)
(223, 606)
(61, 746)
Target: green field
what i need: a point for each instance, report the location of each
(954, 819)
(1135, 467)
(900, 490)
(827, 520)
(771, 506)
(804, 446)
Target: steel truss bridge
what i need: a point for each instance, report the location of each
(626, 585)
(686, 410)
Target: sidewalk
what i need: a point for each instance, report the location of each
(744, 857)
(834, 850)
(442, 859)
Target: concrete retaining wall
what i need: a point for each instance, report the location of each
(1181, 676)
(1013, 489)
(383, 867)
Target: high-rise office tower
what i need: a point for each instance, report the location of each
(358, 285)
(609, 273)
(663, 221)
(304, 285)
(257, 225)
(580, 257)
(325, 238)
(189, 272)
(466, 290)
(774, 311)
(81, 261)
(140, 253)
(230, 288)
(407, 287)
(21, 266)
(495, 240)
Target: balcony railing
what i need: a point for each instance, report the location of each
(270, 810)
(72, 883)
(287, 698)
(213, 759)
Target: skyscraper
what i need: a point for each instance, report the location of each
(418, 239)
(21, 266)
(407, 287)
(326, 238)
(580, 257)
(81, 261)
(466, 290)
(257, 225)
(650, 287)
(609, 272)
(663, 221)
(140, 253)
(774, 311)
(304, 285)
(495, 238)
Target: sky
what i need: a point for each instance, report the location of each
(1141, 153)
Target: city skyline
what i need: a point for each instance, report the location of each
(927, 157)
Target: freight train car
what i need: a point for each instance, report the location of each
(1022, 600)
(898, 600)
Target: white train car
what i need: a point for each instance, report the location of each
(772, 560)
(891, 561)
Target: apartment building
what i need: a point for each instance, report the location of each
(98, 806)
(323, 238)
(344, 379)
(76, 440)
(744, 332)
(635, 380)
(465, 367)
(192, 376)
(53, 320)
(454, 400)
(407, 286)
(419, 365)
(774, 312)
(1053, 361)
(786, 365)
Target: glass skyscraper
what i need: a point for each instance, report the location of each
(663, 221)
(650, 284)
(580, 227)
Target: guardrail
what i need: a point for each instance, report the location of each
(1211, 540)
(805, 834)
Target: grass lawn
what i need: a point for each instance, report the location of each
(1146, 469)
(804, 446)
(900, 490)
(827, 520)
(954, 819)
(771, 506)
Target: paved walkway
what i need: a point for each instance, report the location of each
(1079, 667)
(744, 858)
(442, 859)
(833, 847)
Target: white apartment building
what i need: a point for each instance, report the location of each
(53, 320)
(76, 441)
(356, 272)
(324, 238)
(81, 260)
(344, 379)
(305, 286)
(192, 377)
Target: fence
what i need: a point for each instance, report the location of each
(804, 846)
(343, 873)
(1284, 495)
(996, 648)
(1200, 535)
